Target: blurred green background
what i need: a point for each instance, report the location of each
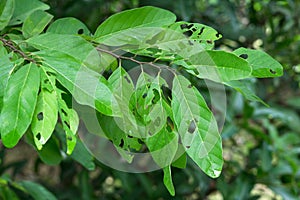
(261, 144)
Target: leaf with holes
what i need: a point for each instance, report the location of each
(70, 122)
(263, 65)
(19, 103)
(68, 25)
(197, 127)
(6, 10)
(218, 66)
(131, 23)
(45, 115)
(35, 23)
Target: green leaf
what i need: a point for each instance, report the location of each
(19, 103)
(72, 45)
(35, 23)
(68, 25)
(131, 20)
(37, 191)
(45, 115)
(6, 12)
(244, 87)
(263, 65)
(82, 155)
(218, 66)
(84, 84)
(197, 127)
(50, 153)
(168, 180)
(70, 123)
(23, 8)
(5, 68)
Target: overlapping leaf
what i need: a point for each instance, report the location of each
(68, 25)
(19, 104)
(6, 12)
(197, 127)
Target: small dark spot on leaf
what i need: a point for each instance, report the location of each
(190, 43)
(209, 41)
(218, 35)
(130, 136)
(194, 29)
(183, 26)
(144, 95)
(192, 127)
(50, 73)
(40, 116)
(38, 136)
(46, 81)
(201, 31)
(188, 33)
(190, 86)
(140, 141)
(80, 31)
(10, 58)
(69, 138)
(121, 143)
(272, 71)
(67, 124)
(187, 147)
(127, 79)
(245, 56)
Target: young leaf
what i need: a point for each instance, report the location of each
(35, 23)
(45, 115)
(6, 12)
(168, 180)
(72, 45)
(23, 8)
(218, 66)
(197, 127)
(68, 25)
(263, 65)
(127, 21)
(19, 103)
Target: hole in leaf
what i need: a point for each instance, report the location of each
(218, 35)
(188, 147)
(67, 124)
(144, 95)
(156, 96)
(140, 141)
(244, 56)
(40, 116)
(69, 138)
(121, 143)
(46, 81)
(183, 26)
(38, 136)
(192, 127)
(50, 73)
(194, 29)
(80, 31)
(64, 112)
(201, 31)
(130, 136)
(272, 71)
(127, 79)
(190, 86)
(188, 33)
(209, 41)
(190, 26)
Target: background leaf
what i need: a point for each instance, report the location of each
(6, 12)
(37, 191)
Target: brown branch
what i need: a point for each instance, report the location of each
(12, 47)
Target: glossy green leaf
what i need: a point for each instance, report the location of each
(70, 123)
(218, 66)
(6, 12)
(5, 68)
(68, 25)
(45, 114)
(84, 84)
(37, 191)
(35, 23)
(19, 104)
(263, 65)
(127, 21)
(23, 8)
(168, 180)
(72, 45)
(50, 153)
(197, 127)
